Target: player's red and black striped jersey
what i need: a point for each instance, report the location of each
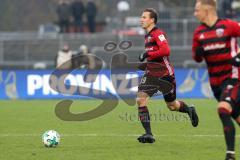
(158, 51)
(220, 46)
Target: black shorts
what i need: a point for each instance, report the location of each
(166, 85)
(229, 92)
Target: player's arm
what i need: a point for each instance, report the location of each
(197, 49)
(163, 47)
(235, 30)
(236, 60)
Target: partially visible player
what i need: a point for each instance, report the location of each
(214, 41)
(157, 50)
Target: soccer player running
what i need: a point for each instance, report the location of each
(214, 41)
(157, 53)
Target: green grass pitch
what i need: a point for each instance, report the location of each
(112, 136)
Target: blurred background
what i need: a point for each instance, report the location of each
(41, 35)
(32, 32)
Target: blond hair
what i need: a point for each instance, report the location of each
(212, 3)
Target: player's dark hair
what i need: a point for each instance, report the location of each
(212, 3)
(153, 13)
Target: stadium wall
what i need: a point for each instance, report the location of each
(34, 84)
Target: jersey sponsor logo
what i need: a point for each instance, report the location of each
(149, 49)
(214, 46)
(219, 32)
(161, 37)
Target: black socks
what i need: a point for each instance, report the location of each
(183, 107)
(145, 118)
(228, 128)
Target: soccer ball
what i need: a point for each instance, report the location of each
(50, 138)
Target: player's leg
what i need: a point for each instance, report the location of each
(228, 108)
(176, 105)
(144, 93)
(143, 113)
(230, 155)
(235, 114)
(181, 106)
(224, 111)
(144, 116)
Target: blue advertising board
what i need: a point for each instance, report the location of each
(34, 84)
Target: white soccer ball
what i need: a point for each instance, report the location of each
(50, 138)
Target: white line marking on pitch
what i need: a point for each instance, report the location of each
(111, 135)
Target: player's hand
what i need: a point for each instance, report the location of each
(143, 56)
(199, 51)
(236, 60)
(142, 66)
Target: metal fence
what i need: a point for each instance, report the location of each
(24, 50)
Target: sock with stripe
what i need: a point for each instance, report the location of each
(228, 128)
(144, 117)
(183, 107)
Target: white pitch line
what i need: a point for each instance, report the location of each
(112, 135)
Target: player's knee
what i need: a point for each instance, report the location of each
(141, 101)
(224, 107)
